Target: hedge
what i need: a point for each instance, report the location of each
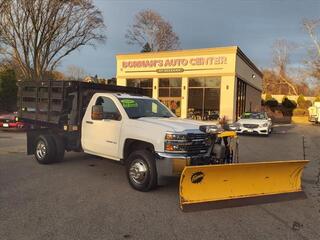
(271, 103)
(288, 103)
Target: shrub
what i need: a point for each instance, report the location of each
(301, 101)
(284, 98)
(8, 90)
(268, 97)
(317, 99)
(271, 103)
(308, 103)
(300, 112)
(288, 103)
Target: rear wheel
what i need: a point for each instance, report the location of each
(45, 149)
(141, 170)
(60, 147)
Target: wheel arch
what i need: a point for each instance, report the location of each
(131, 145)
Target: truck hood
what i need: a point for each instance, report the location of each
(175, 124)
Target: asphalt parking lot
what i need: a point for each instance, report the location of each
(86, 197)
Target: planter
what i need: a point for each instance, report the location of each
(300, 120)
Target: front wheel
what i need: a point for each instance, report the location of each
(141, 170)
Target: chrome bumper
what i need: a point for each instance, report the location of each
(259, 130)
(169, 164)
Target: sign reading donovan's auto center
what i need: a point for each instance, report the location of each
(174, 62)
(182, 63)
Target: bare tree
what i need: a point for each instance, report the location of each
(152, 32)
(281, 52)
(38, 34)
(313, 62)
(75, 73)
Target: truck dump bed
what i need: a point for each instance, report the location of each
(60, 102)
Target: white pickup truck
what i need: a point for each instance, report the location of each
(139, 131)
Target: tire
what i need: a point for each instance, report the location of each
(45, 149)
(141, 171)
(60, 147)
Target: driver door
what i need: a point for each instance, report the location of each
(105, 133)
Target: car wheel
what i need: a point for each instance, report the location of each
(141, 170)
(45, 149)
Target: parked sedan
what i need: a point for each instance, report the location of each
(255, 123)
(11, 121)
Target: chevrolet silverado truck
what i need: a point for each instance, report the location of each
(117, 123)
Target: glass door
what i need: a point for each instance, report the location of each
(204, 98)
(170, 94)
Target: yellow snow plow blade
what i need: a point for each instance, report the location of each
(199, 184)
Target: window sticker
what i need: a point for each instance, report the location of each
(129, 103)
(154, 108)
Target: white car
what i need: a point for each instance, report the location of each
(255, 123)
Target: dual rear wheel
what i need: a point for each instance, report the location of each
(49, 148)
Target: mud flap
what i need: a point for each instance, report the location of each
(202, 184)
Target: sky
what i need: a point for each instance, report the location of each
(253, 25)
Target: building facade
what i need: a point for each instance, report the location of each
(199, 83)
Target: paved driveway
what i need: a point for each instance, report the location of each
(86, 197)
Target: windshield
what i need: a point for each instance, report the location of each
(143, 107)
(257, 115)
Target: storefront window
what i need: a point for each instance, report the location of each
(204, 98)
(241, 97)
(170, 93)
(144, 83)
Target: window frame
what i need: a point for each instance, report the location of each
(203, 86)
(115, 105)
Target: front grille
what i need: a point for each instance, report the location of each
(197, 143)
(251, 125)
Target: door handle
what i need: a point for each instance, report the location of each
(89, 122)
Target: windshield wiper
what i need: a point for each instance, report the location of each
(136, 117)
(160, 116)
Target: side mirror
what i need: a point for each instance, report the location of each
(269, 119)
(97, 112)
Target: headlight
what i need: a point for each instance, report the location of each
(175, 137)
(175, 142)
(264, 125)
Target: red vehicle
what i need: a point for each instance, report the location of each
(11, 121)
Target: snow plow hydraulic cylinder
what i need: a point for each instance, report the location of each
(208, 183)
